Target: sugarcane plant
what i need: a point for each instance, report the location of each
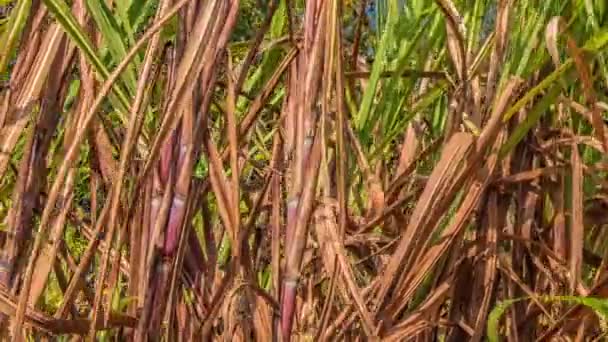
(290, 170)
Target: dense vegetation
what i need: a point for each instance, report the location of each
(287, 169)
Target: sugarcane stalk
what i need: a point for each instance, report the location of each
(168, 242)
(28, 184)
(182, 165)
(294, 254)
(47, 257)
(70, 158)
(306, 160)
(128, 146)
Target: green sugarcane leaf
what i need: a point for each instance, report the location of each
(140, 11)
(113, 38)
(122, 16)
(531, 119)
(495, 315)
(15, 25)
(66, 19)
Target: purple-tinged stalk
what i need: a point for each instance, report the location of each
(129, 143)
(166, 215)
(138, 225)
(180, 166)
(68, 162)
(168, 243)
(296, 251)
(154, 265)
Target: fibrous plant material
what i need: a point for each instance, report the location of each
(294, 170)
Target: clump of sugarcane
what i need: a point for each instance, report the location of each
(206, 40)
(48, 86)
(301, 124)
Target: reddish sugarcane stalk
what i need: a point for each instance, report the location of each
(306, 161)
(48, 255)
(127, 149)
(295, 253)
(181, 166)
(183, 161)
(28, 184)
(19, 99)
(67, 163)
(290, 142)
